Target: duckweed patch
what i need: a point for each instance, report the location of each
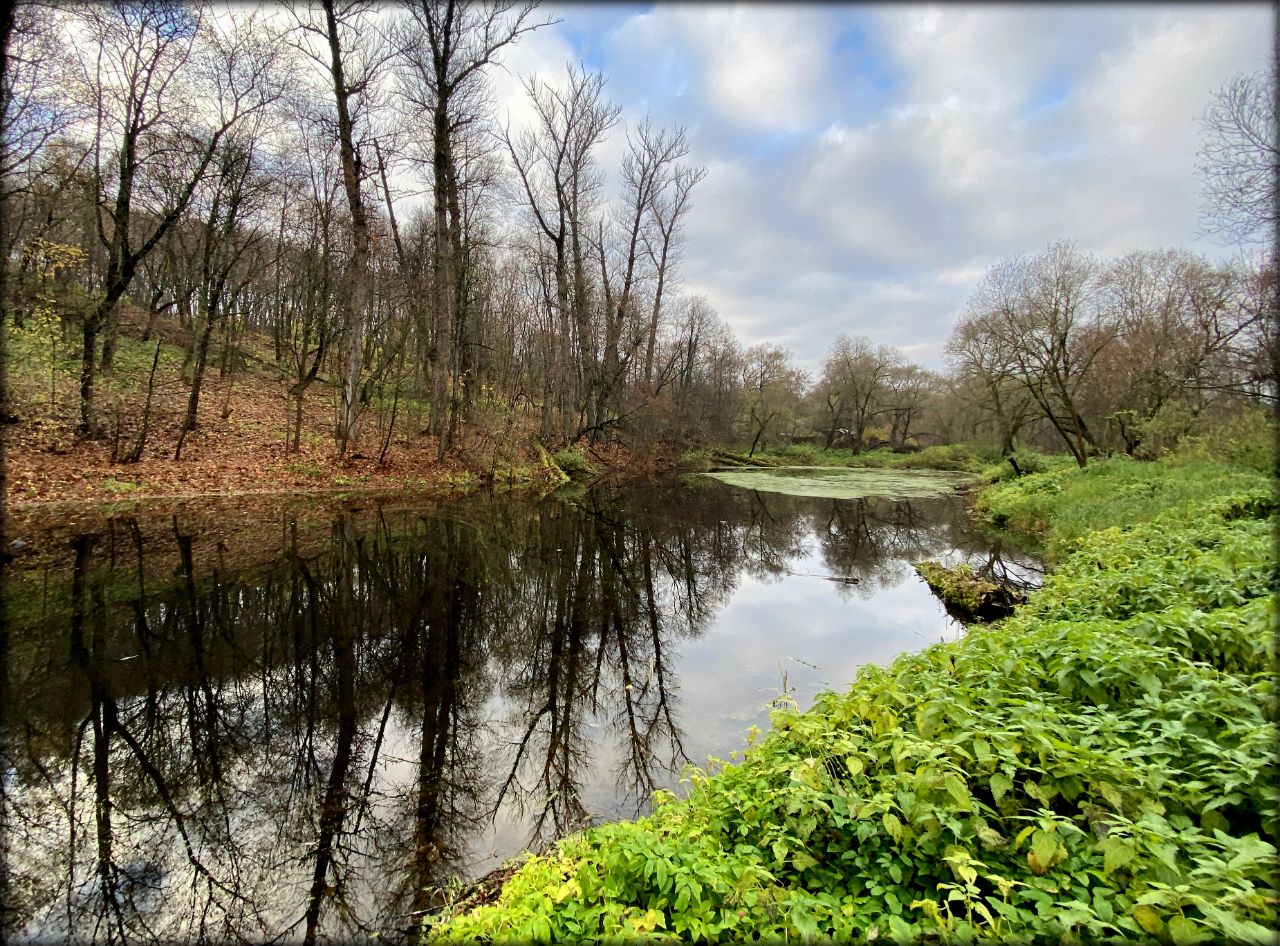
(840, 483)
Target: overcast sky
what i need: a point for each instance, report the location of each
(868, 163)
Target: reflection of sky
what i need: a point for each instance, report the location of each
(804, 627)
(812, 629)
(722, 676)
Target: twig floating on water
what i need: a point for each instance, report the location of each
(839, 579)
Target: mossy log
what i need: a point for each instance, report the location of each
(969, 597)
(721, 459)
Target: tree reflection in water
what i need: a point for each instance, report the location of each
(306, 733)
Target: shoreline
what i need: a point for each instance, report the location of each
(1105, 597)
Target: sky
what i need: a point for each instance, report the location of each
(868, 163)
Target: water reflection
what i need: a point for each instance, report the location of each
(284, 725)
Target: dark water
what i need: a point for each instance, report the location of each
(287, 723)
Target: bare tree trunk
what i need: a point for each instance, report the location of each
(135, 454)
(197, 380)
(110, 332)
(444, 286)
(89, 335)
(588, 367)
(355, 289)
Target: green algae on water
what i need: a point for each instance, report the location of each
(829, 483)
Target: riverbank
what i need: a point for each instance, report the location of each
(227, 462)
(956, 458)
(1098, 765)
(254, 438)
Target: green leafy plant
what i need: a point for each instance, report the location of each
(573, 461)
(303, 466)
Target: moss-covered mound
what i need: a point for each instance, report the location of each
(969, 596)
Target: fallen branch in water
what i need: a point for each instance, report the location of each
(838, 579)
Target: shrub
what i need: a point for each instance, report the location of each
(800, 454)
(1001, 470)
(962, 457)
(695, 461)
(573, 461)
(1247, 440)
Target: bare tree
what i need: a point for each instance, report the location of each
(34, 109)
(668, 207)
(307, 299)
(445, 50)
(647, 170)
(771, 391)
(138, 69)
(1240, 160)
(1255, 339)
(854, 382)
(909, 389)
(560, 183)
(1040, 313)
(987, 379)
(226, 239)
(349, 21)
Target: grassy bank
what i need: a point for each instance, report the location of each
(1099, 765)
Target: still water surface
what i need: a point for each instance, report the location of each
(299, 724)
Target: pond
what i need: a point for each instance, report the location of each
(306, 719)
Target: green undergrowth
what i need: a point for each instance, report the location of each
(960, 457)
(1022, 462)
(698, 460)
(1064, 503)
(1099, 766)
(574, 462)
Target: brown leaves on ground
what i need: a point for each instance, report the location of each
(245, 452)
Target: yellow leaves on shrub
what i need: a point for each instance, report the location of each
(1046, 850)
(1148, 919)
(648, 922)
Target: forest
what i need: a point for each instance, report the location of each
(398, 544)
(309, 229)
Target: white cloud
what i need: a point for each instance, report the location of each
(762, 68)
(864, 185)
(1137, 184)
(1113, 161)
(544, 53)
